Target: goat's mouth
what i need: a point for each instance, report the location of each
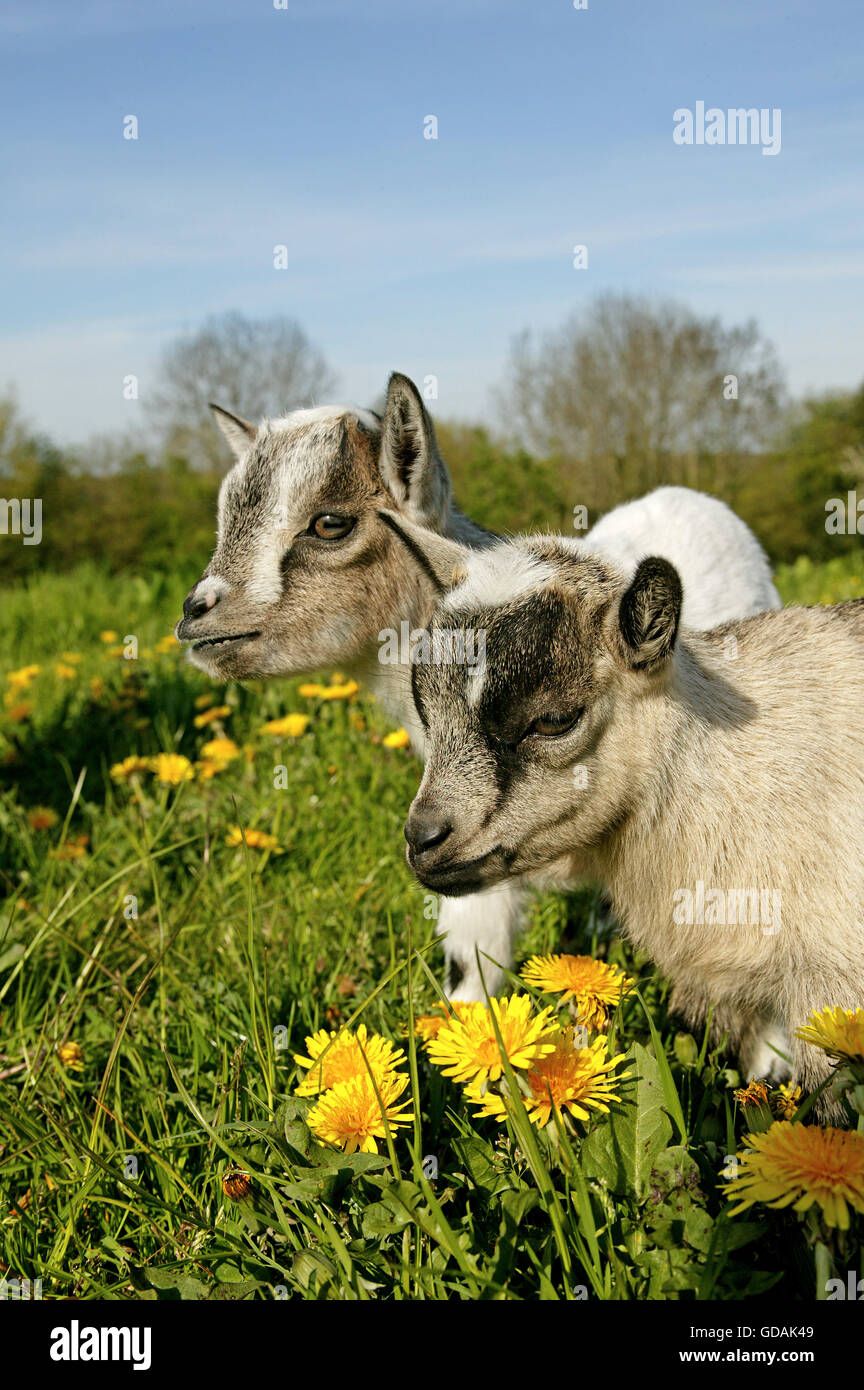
(224, 639)
(469, 876)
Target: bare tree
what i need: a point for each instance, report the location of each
(633, 394)
(256, 367)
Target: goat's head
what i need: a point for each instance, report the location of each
(305, 572)
(537, 752)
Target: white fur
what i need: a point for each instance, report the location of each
(764, 1059)
(495, 577)
(312, 416)
(722, 565)
(487, 923)
(211, 588)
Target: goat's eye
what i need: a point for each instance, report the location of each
(553, 725)
(330, 527)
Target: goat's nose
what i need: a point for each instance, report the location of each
(195, 605)
(426, 830)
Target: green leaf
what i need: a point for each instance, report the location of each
(478, 1156)
(311, 1264)
(177, 1284)
(621, 1153)
(381, 1219)
(670, 1272)
(664, 1072)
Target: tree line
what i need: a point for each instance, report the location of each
(622, 398)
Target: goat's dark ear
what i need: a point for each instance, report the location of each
(443, 560)
(649, 614)
(411, 466)
(240, 433)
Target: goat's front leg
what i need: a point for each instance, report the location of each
(484, 922)
(761, 1045)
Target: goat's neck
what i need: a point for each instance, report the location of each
(676, 789)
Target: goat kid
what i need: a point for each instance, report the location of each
(712, 782)
(306, 574)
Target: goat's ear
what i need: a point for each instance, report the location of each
(411, 466)
(240, 433)
(444, 561)
(649, 614)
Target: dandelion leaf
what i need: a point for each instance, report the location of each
(621, 1153)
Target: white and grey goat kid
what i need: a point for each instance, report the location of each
(712, 782)
(307, 573)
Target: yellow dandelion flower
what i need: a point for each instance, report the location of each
(130, 767)
(310, 689)
(65, 672)
(400, 738)
(172, 768)
(109, 635)
(209, 716)
(756, 1093)
(467, 1049)
(595, 986)
(20, 679)
(97, 687)
(428, 1026)
(204, 701)
(351, 1115)
(577, 1079)
(786, 1100)
(220, 750)
(71, 1055)
(255, 839)
(167, 644)
(343, 691)
(839, 1032)
(75, 848)
(18, 713)
(42, 818)
(337, 1057)
(236, 1184)
(290, 726)
(209, 767)
(797, 1165)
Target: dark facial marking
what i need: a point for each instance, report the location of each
(415, 551)
(418, 697)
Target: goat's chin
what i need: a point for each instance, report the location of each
(225, 664)
(458, 880)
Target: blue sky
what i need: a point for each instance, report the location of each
(304, 127)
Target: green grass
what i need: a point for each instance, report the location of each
(188, 973)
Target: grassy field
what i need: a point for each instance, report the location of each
(156, 981)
